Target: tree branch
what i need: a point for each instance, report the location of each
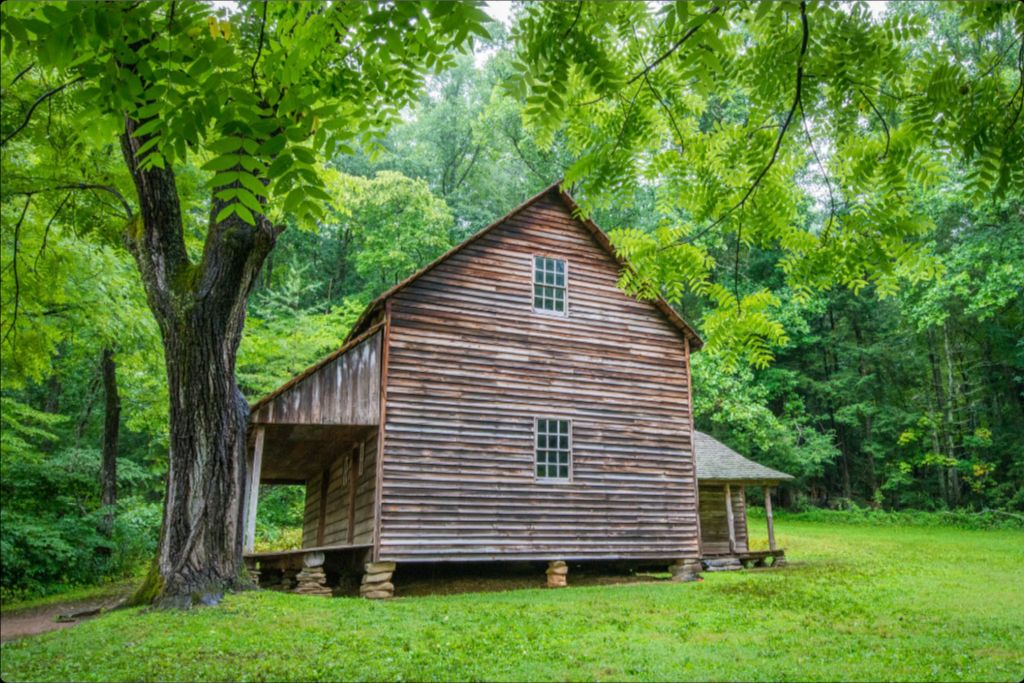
(625, 119)
(657, 95)
(20, 74)
(519, 151)
(885, 126)
(14, 264)
(665, 55)
(128, 212)
(1020, 88)
(156, 238)
(259, 47)
(824, 174)
(736, 270)
(579, 10)
(805, 35)
(468, 168)
(46, 232)
(39, 100)
(675, 46)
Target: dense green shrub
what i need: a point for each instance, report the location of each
(279, 517)
(51, 518)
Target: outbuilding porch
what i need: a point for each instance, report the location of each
(320, 431)
(723, 477)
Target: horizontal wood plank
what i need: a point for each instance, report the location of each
(471, 366)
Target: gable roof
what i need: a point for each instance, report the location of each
(670, 314)
(362, 329)
(718, 462)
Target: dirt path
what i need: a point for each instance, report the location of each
(35, 620)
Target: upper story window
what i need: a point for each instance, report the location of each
(554, 448)
(549, 285)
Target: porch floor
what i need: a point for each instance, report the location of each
(272, 554)
(745, 558)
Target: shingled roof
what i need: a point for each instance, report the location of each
(718, 462)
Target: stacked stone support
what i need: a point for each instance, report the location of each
(254, 575)
(312, 580)
(685, 570)
(377, 581)
(558, 573)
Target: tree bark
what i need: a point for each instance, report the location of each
(869, 457)
(938, 420)
(111, 427)
(952, 407)
(200, 309)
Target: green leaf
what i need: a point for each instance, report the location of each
(249, 200)
(244, 214)
(225, 145)
(226, 212)
(252, 184)
(148, 127)
(222, 163)
(272, 146)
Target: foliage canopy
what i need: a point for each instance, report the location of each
(806, 127)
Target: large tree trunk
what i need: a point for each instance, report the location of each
(111, 427)
(200, 309)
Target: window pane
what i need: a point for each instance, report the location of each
(549, 284)
(552, 452)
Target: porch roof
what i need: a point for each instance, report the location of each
(718, 462)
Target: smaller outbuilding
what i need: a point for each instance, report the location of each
(723, 476)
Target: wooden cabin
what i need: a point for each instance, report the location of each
(723, 476)
(506, 402)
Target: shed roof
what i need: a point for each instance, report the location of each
(670, 313)
(718, 462)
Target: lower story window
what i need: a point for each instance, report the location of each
(554, 448)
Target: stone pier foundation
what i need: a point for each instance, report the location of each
(254, 576)
(312, 580)
(377, 581)
(685, 570)
(558, 573)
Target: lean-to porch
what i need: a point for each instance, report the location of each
(321, 431)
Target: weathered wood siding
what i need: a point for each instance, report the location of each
(336, 520)
(471, 366)
(714, 527)
(345, 391)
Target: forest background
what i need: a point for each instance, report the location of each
(911, 399)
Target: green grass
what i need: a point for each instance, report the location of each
(856, 603)
(73, 594)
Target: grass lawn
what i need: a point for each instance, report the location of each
(856, 603)
(74, 594)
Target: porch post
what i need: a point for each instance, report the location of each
(729, 520)
(768, 515)
(249, 543)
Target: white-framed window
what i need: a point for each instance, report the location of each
(549, 285)
(553, 448)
